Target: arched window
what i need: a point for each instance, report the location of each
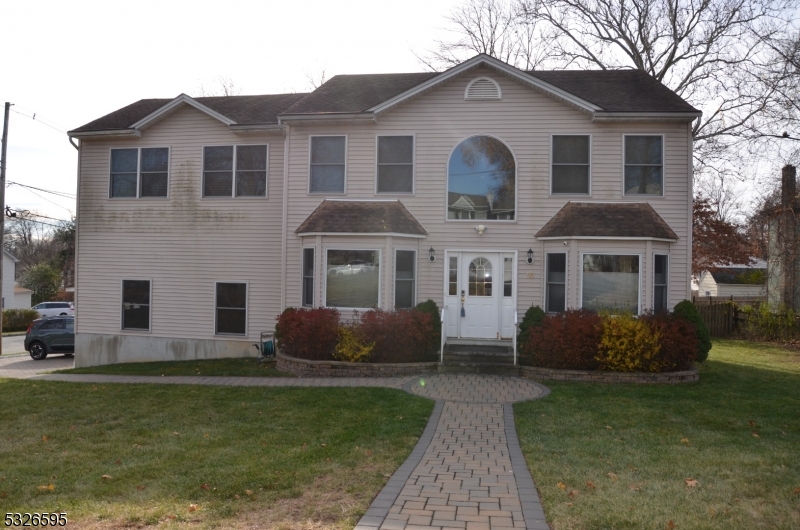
(481, 180)
(480, 277)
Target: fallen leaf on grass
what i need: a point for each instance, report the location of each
(3, 494)
(573, 494)
(570, 504)
(692, 483)
(685, 441)
(561, 486)
(170, 517)
(49, 487)
(635, 487)
(369, 452)
(44, 439)
(176, 433)
(756, 434)
(304, 447)
(612, 476)
(118, 461)
(609, 427)
(72, 427)
(204, 486)
(323, 445)
(752, 423)
(249, 492)
(712, 512)
(590, 485)
(796, 491)
(106, 477)
(139, 488)
(671, 525)
(192, 507)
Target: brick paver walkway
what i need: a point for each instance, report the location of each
(470, 473)
(467, 470)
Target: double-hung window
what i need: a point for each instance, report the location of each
(139, 172)
(644, 165)
(250, 175)
(660, 276)
(404, 279)
(308, 277)
(136, 305)
(395, 164)
(231, 308)
(556, 283)
(327, 165)
(570, 169)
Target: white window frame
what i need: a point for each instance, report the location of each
(346, 147)
(589, 193)
(139, 172)
(377, 163)
(662, 253)
(325, 276)
(303, 276)
(663, 166)
(516, 184)
(566, 279)
(246, 309)
(606, 253)
(122, 302)
(415, 279)
(233, 178)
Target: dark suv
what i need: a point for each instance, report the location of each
(50, 335)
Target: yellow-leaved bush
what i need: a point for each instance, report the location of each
(350, 348)
(629, 344)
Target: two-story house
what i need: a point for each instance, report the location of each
(483, 187)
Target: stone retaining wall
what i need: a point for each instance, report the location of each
(551, 374)
(304, 368)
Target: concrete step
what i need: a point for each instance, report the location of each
(478, 357)
(479, 368)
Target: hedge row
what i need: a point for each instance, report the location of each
(18, 319)
(583, 340)
(403, 336)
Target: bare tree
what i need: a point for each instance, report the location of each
(224, 87)
(316, 80)
(716, 54)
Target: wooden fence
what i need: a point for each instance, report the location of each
(723, 316)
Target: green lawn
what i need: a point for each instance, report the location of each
(114, 456)
(245, 367)
(618, 456)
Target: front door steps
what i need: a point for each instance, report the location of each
(479, 356)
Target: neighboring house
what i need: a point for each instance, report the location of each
(739, 281)
(14, 297)
(201, 219)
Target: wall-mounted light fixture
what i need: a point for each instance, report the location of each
(530, 255)
(432, 255)
(480, 229)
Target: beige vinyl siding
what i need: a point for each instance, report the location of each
(524, 120)
(185, 243)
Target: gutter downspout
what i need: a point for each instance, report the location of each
(285, 213)
(76, 147)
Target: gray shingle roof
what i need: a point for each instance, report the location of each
(244, 110)
(361, 217)
(617, 90)
(356, 93)
(624, 219)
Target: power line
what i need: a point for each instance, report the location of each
(48, 200)
(33, 117)
(58, 193)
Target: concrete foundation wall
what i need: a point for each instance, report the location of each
(93, 349)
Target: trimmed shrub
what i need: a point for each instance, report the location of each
(18, 319)
(533, 317)
(399, 336)
(687, 311)
(309, 334)
(429, 307)
(350, 348)
(679, 342)
(567, 340)
(764, 324)
(629, 344)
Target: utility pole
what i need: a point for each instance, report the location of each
(3, 203)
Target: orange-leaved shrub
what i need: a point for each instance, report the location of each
(680, 345)
(567, 340)
(629, 344)
(402, 336)
(308, 333)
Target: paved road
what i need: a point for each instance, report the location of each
(22, 366)
(13, 344)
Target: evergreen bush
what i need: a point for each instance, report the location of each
(687, 311)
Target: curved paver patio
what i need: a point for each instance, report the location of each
(467, 470)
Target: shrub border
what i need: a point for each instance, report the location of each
(594, 376)
(306, 368)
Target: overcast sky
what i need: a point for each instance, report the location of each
(73, 61)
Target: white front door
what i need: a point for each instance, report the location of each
(482, 285)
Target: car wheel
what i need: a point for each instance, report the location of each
(62, 315)
(38, 351)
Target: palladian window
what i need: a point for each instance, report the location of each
(481, 180)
